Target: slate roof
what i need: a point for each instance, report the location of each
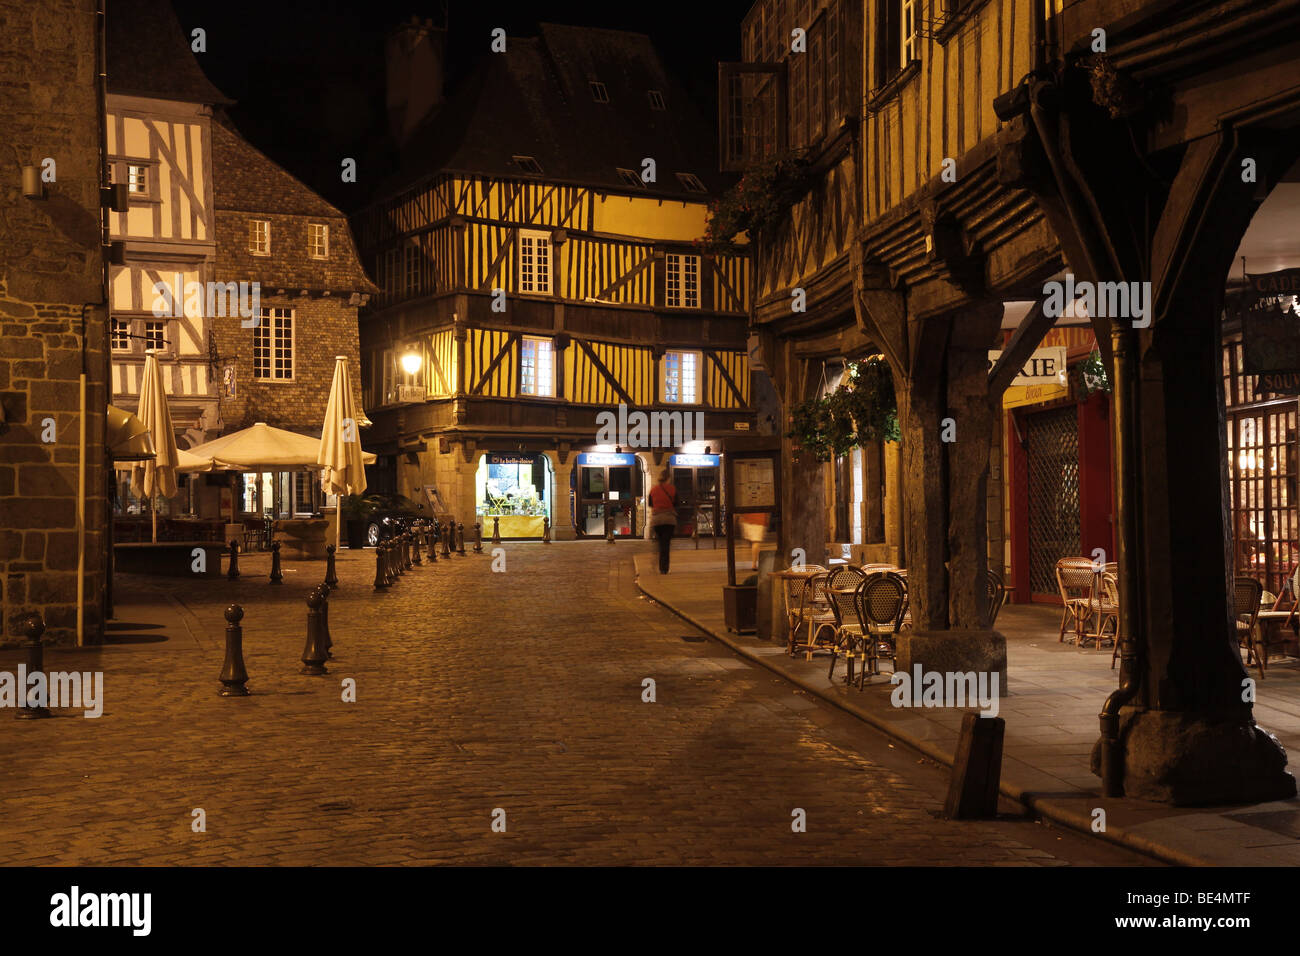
(536, 100)
(149, 54)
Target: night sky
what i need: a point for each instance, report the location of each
(308, 77)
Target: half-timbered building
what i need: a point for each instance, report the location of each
(539, 279)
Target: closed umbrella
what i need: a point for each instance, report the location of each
(342, 464)
(157, 476)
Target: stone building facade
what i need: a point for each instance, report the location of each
(273, 230)
(52, 319)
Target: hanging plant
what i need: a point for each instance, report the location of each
(759, 200)
(859, 411)
(1092, 373)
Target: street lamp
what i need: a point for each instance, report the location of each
(411, 363)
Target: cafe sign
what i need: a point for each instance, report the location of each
(1270, 327)
(1045, 367)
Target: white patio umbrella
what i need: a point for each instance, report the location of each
(341, 459)
(157, 476)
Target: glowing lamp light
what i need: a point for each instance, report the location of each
(411, 363)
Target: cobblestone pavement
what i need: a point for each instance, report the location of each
(475, 691)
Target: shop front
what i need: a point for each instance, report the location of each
(514, 494)
(697, 479)
(606, 489)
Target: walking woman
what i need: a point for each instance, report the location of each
(663, 517)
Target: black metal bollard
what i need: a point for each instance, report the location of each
(496, 529)
(381, 573)
(324, 593)
(431, 538)
(277, 576)
(478, 538)
(406, 551)
(233, 676)
(233, 573)
(33, 625)
(331, 573)
(399, 561)
(313, 653)
(460, 539)
(394, 562)
(416, 558)
(546, 531)
(447, 534)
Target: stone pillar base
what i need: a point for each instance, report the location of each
(1198, 759)
(956, 651)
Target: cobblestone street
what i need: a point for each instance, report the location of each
(475, 690)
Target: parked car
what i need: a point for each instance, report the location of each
(386, 515)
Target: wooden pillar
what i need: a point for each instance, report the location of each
(803, 490)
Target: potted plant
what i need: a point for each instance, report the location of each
(356, 511)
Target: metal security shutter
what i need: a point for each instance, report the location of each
(1052, 451)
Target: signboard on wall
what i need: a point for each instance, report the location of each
(1270, 326)
(606, 460)
(1045, 367)
(695, 461)
(510, 458)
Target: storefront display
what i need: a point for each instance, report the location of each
(606, 489)
(514, 494)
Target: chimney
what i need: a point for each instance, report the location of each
(416, 56)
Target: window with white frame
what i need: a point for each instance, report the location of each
(259, 237)
(534, 262)
(155, 336)
(121, 338)
(273, 345)
(680, 381)
(909, 40)
(137, 179)
(318, 240)
(681, 281)
(536, 367)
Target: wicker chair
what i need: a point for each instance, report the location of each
(1246, 593)
(794, 588)
(843, 584)
(881, 603)
(997, 597)
(1076, 578)
(815, 615)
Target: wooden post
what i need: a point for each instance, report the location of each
(977, 769)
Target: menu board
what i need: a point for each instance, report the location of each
(755, 483)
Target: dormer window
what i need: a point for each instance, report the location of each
(656, 100)
(691, 183)
(630, 178)
(598, 91)
(528, 164)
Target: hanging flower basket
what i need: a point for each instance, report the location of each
(760, 200)
(859, 411)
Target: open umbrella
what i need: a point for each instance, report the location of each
(341, 459)
(158, 476)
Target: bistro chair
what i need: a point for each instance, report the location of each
(1246, 593)
(881, 603)
(1076, 579)
(815, 614)
(997, 596)
(794, 597)
(843, 584)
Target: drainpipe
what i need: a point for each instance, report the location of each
(1123, 346)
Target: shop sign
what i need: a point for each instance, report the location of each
(695, 461)
(1045, 367)
(510, 458)
(1020, 395)
(1270, 330)
(1279, 383)
(605, 460)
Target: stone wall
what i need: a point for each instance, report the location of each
(52, 317)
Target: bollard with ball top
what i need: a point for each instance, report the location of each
(33, 626)
(233, 676)
(416, 557)
(496, 529)
(460, 538)
(478, 538)
(324, 593)
(233, 573)
(446, 534)
(277, 576)
(406, 550)
(331, 573)
(381, 576)
(431, 538)
(313, 653)
(546, 530)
